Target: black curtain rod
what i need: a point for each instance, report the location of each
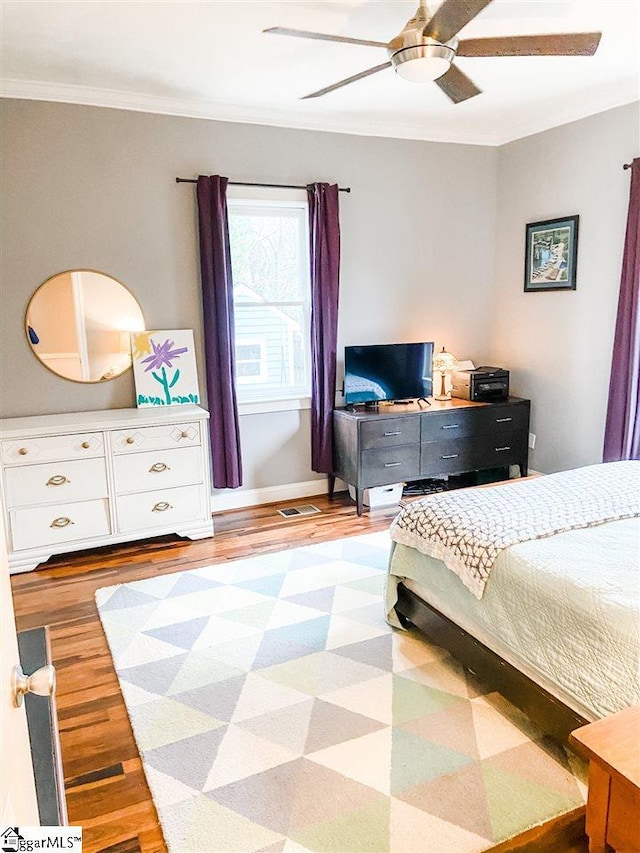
(627, 165)
(247, 184)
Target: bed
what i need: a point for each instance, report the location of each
(556, 620)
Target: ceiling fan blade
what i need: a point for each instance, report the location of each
(305, 34)
(451, 17)
(554, 44)
(457, 86)
(347, 81)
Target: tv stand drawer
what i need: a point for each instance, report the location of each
(446, 457)
(382, 466)
(454, 423)
(389, 432)
(502, 448)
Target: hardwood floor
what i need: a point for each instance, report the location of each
(105, 784)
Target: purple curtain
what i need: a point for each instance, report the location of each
(324, 229)
(622, 433)
(217, 301)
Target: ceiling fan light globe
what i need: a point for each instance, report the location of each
(423, 63)
(423, 70)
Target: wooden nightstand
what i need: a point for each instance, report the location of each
(612, 746)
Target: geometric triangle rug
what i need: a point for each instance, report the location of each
(275, 710)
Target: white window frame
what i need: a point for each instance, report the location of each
(240, 199)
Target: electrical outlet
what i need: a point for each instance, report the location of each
(532, 440)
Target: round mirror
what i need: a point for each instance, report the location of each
(78, 324)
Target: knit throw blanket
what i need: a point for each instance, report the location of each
(468, 529)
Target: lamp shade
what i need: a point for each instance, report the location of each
(444, 362)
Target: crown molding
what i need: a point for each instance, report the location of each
(230, 112)
(626, 93)
(200, 108)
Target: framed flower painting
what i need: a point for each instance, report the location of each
(164, 368)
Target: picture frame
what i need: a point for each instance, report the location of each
(551, 254)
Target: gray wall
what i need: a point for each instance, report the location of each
(90, 187)
(558, 344)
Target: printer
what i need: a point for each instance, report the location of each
(482, 385)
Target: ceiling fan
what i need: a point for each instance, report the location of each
(428, 44)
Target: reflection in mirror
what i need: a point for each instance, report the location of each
(78, 325)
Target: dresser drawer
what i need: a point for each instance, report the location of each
(389, 432)
(497, 419)
(155, 438)
(51, 448)
(160, 469)
(56, 482)
(452, 423)
(389, 465)
(162, 508)
(35, 527)
(446, 457)
(493, 451)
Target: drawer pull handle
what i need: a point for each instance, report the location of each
(184, 434)
(23, 451)
(57, 480)
(61, 522)
(162, 506)
(130, 440)
(158, 467)
(500, 449)
(85, 445)
(397, 432)
(392, 464)
(450, 426)
(503, 420)
(450, 456)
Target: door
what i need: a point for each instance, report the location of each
(18, 805)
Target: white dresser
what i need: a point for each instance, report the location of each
(95, 478)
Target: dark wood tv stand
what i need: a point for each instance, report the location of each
(404, 443)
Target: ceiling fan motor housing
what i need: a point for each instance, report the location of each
(417, 57)
(426, 61)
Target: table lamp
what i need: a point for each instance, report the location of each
(443, 363)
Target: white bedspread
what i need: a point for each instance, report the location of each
(565, 610)
(467, 530)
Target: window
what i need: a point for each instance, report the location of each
(251, 361)
(271, 294)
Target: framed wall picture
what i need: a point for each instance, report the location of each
(551, 254)
(164, 368)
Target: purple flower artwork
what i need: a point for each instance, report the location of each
(162, 354)
(164, 368)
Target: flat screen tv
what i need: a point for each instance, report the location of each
(387, 372)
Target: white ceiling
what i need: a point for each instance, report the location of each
(209, 58)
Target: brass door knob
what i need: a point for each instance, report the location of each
(42, 682)
(23, 451)
(130, 440)
(85, 445)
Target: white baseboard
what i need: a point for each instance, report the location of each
(222, 499)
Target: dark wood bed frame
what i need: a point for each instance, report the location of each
(551, 715)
